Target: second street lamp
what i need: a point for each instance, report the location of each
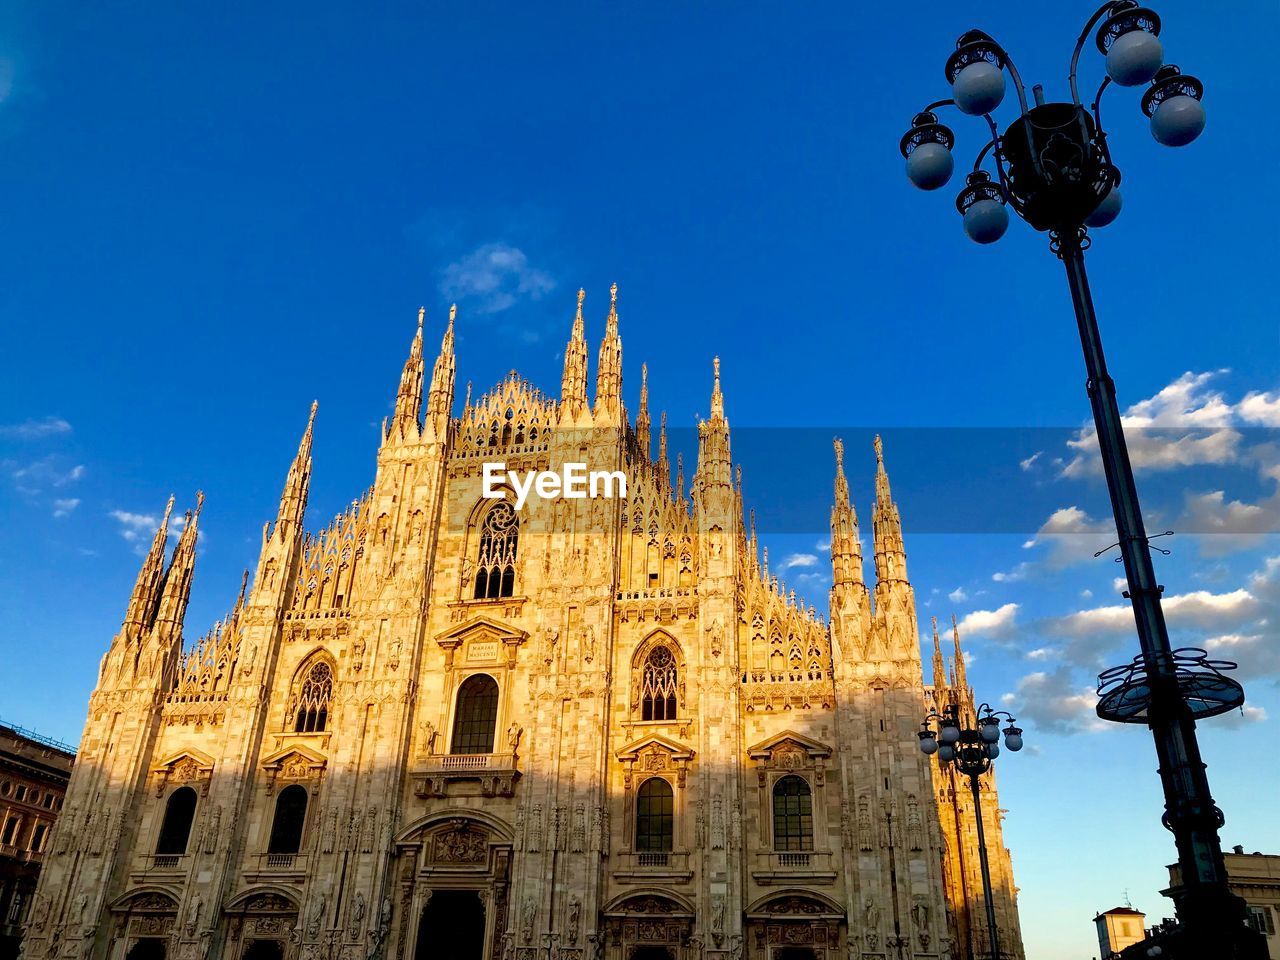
(971, 749)
(1054, 168)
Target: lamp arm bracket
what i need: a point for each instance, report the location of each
(1084, 35)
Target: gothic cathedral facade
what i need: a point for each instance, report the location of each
(587, 729)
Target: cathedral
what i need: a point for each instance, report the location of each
(443, 728)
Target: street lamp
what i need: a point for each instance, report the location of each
(1053, 166)
(971, 749)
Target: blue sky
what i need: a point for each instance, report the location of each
(214, 215)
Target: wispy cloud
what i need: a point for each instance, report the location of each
(957, 595)
(35, 429)
(35, 477)
(494, 277)
(133, 526)
(799, 560)
(63, 508)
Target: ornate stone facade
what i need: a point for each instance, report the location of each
(592, 729)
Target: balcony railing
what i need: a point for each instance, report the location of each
(496, 772)
(651, 865)
(467, 761)
(781, 866)
(167, 862)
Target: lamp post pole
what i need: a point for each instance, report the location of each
(1054, 168)
(971, 749)
(993, 931)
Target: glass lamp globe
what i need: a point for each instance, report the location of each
(993, 750)
(1013, 739)
(1106, 211)
(929, 166)
(979, 88)
(946, 753)
(1177, 121)
(990, 730)
(928, 745)
(1134, 58)
(986, 221)
(950, 734)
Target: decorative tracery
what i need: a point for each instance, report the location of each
(310, 703)
(658, 685)
(495, 563)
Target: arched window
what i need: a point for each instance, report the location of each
(655, 820)
(311, 701)
(476, 716)
(291, 814)
(792, 814)
(496, 561)
(658, 685)
(179, 813)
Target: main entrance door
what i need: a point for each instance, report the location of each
(264, 950)
(148, 948)
(452, 927)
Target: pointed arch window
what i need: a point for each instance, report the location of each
(175, 829)
(312, 698)
(496, 562)
(290, 816)
(476, 716)
(792, 814)
(658, 685)
(655, 816)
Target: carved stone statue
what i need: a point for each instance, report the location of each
(315, 915)
(192, 921)
(513, 736)
(355, 915)
(427, 733)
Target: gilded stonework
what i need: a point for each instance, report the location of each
(569, 730)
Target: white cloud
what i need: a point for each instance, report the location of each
(1185, 424)
(957, 595)
(1071, 536)
(63, 508)
(1028, 463)
(1239, 718)
(799, 560)
(1261, 408)
(35, 429)
(992, 623)
(1056, 703)
(1086, 594)
(135, 525)
(494, 277)
(1198, 609)
(38, 476)
(823, 546)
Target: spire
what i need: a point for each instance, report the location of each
(662, 440)
(846, 542)
(297, 485)
(440, 399)
(679, 475)
(891, 558)
(717, 398)
(713, 446)
(146, 591)
(177, 579)
(962, 682)
(244, 584)
(642, 417)
(609, 368)
(409, 396)
(939, 665)
(573, 385)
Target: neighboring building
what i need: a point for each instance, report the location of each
(591, 729)
(1255, 878)
(33, 779)
(1118, 928)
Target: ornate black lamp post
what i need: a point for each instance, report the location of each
(971, 749)
(1053, 166)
